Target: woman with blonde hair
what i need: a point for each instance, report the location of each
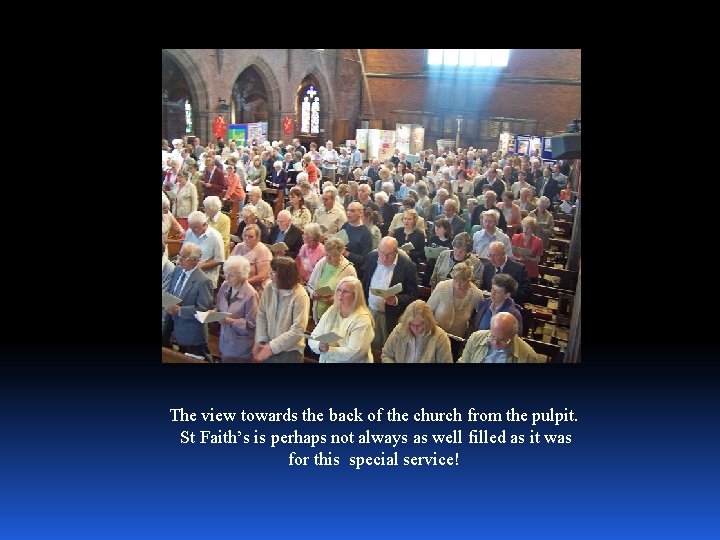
(417, 339)
(350, 318)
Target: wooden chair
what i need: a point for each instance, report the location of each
(553, 352)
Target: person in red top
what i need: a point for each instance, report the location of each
(528, 240)
(311, 171)
(235, 193)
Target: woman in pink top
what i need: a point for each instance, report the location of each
(257, 254)
(311, 251)
(235, 193)
(526, 240)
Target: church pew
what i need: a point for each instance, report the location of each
(171, 356)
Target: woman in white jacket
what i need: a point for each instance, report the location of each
(349, 318)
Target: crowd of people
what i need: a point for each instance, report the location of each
(345, 252)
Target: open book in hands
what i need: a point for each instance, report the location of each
(170, 300)
(407, 247)
(517, 251)
(384, 293)
(280, 246)
(210, 316)
(324, 291)
(340, 235)
(236, 239)
(330, 337)
(434, 252)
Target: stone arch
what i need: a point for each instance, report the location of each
(198, 89)
(271, 84)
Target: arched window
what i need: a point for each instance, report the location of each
(309, 108)
(188, 117)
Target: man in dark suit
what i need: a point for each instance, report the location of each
(438, 209)
(384, 268)
(499, 263)
(194, 287)
(285, 231)
(456, 222)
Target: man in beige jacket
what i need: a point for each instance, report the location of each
(499, 345)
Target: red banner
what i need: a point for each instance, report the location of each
(288, 124)
(219, 128)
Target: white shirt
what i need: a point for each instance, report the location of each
(380, 280)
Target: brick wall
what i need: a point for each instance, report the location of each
(540, 84)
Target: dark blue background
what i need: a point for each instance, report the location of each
(98, 454)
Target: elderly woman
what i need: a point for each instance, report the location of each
(282, 316)
(452, 303)
(256, 175)
(423, 201)
(238, 298)
(503, 287)
(463, 186)
(257, 254)
(510, 210)
(278, 179)
(299, 213)
(327, 273)
(310, 252)
(186, 199)
(528, 248)
(352, 193)
(217, 220)
(417, 339)
(250, 217)
(461, 252)
(409, 233)
(544, 219)
(310, 197)
(350, 318)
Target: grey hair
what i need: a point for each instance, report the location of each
(313, 229)
(463, 240)
(301, 177)
(381, 195)
(334, 245)
(194, 249)
(197, 217)
(255, 190)
(249, 208)
(239, 263)
(212, 202)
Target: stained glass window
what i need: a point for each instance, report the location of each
(310, 112)
(469, 57)
(188, 117)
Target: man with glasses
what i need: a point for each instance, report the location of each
(499, 345)
(385, 268)
(500, 264)
(194, 287)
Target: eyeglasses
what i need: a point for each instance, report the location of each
(183, 258)
(345, 291)
(499, 342)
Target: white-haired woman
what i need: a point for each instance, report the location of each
(237, 297)
(327, 273)
(311, 251)
(257, 254)
(217, 220)
(545, 224)
(278, 178)
(185, 196)
(350, 318)
(250, 216)
(417, 339)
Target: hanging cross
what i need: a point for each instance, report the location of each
(311, 92)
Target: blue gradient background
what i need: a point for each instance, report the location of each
(97, 456)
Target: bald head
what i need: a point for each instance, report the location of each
(503, 328)
(355, 213)
(387, 251)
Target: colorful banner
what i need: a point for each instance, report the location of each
(238, 133)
